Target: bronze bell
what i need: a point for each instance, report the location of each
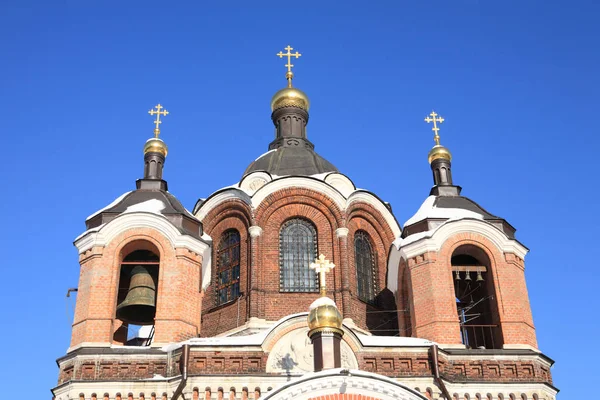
(468, 276)
(479, 276)
(139, 306)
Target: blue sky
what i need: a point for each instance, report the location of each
(516, 82)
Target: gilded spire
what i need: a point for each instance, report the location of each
(432, 118)
(289, 74)
(156, 145)
(157, 121)
(438, 151)
(289, 96)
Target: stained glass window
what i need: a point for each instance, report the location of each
(228, 267)
(365, 267)
(297, 249)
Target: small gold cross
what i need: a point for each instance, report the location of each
(157, 121)
(322, 266)
(289, 75)
(435, 129)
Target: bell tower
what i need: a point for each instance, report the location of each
(463, 268)
(142, 260)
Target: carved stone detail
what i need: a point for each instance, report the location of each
(293, 354)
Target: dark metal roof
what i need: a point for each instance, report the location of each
(291, 161)
(147, 190)
(458, 202)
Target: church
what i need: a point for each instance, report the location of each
(294, 284)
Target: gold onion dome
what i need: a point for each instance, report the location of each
(439, 151)
(155, 145)
(290, 97)
(324, 314)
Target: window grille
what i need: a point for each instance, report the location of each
(297, 249)
(365, 267)
(228, 267)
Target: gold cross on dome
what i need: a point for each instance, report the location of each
(289, 75)
(157, 121)
(435, 129)
(322, 266)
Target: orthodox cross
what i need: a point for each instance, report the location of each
(435, 129)
(289, 75)
(322, 266)
(157, 121)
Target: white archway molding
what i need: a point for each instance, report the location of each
(366, 197)
(221, 196)
(433, 241)
(301, 182)
(311, 183)
(104, 234)
(340, 381)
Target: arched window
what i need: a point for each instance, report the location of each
(365, 267)
(475, 298)
(228, 267)
(297, 249)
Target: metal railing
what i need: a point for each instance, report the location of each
(480, 336)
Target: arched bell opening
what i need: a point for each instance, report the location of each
(136, 295)
(476, 298)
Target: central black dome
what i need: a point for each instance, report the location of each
(294, 160)
(291, 153)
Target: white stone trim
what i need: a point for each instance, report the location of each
(438, 237)
(103, 235)
(339, 380)
(368, 198)
(297, 181)
(315, 184)
(226, 194)
(107, 232)
(341, 232)
(255, 231)
(340, 182)
(434, 240)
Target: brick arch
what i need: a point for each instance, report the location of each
(228, 208)
(297, 195)
(369, 213)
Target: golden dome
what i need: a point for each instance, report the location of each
(290, 97)
(324, 314)
(439, 151)
(155, 145)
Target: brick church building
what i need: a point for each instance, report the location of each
(223, 303)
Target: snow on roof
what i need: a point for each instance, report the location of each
(114, 203)
(264, 154)
(429, 210)
(154, 206)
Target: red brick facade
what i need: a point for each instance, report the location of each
(260, 261)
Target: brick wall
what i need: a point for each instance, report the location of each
(178, 292)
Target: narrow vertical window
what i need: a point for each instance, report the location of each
(365, 267)
(297, 249)
(228, 267)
